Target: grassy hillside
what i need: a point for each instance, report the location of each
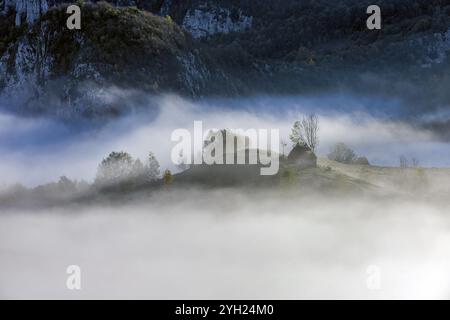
(289, 177)
(430, 181)
(329, 178)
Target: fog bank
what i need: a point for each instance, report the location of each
(227, 245)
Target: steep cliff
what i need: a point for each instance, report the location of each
(206, 18)
(48, 66)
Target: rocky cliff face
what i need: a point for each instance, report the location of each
(205, 21)
(205, 18)
(31, 10)
(27, 10)
(66, 73)
(200, 20)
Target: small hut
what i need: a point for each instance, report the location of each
(302, 156)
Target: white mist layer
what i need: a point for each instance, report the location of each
(225, 245)
(38, 151)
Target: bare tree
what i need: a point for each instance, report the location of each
(403, 162)
(283, 145)
(306, 131)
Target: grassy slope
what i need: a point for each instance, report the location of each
(329, 176)
(394, 179)
(289, 177)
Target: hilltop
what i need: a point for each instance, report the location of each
(329, 179)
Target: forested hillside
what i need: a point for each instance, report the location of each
(226, 47)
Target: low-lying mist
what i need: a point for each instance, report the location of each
(39, 150)
(384, 235)
(228, 244)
